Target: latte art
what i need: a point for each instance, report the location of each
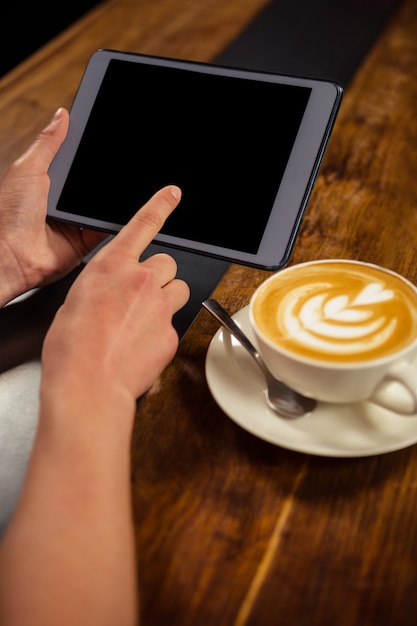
(332, 322)
(338, 312)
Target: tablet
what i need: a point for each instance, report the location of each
(244, 146)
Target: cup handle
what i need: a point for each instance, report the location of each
(406, 375)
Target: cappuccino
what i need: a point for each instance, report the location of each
(337, 311)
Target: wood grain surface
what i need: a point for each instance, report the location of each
(232, 530)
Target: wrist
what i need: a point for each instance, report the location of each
(74, 403)
(12, 283)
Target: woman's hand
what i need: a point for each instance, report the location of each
(114, 332)
(35, 251)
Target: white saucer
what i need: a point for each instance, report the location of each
(332, 430)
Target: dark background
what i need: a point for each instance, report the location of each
(26, 26)
(320, 38)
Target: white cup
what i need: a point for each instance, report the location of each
(339, 331)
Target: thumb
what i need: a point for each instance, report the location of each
(39, 155)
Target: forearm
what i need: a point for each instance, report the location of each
(74, 523)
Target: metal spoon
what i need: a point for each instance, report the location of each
(281, 398)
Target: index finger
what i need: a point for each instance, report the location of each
(142, 228)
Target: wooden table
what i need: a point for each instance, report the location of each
(231, 529)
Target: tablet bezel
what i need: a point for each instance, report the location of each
(294, 191)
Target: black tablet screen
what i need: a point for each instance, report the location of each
(224, 140)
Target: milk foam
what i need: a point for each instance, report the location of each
(336, 323)
(338, 311)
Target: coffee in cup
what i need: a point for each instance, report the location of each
(335, 330)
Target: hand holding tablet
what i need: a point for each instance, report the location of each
(244, 146)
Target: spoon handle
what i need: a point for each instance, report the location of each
(281, 398)
(224, 318)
